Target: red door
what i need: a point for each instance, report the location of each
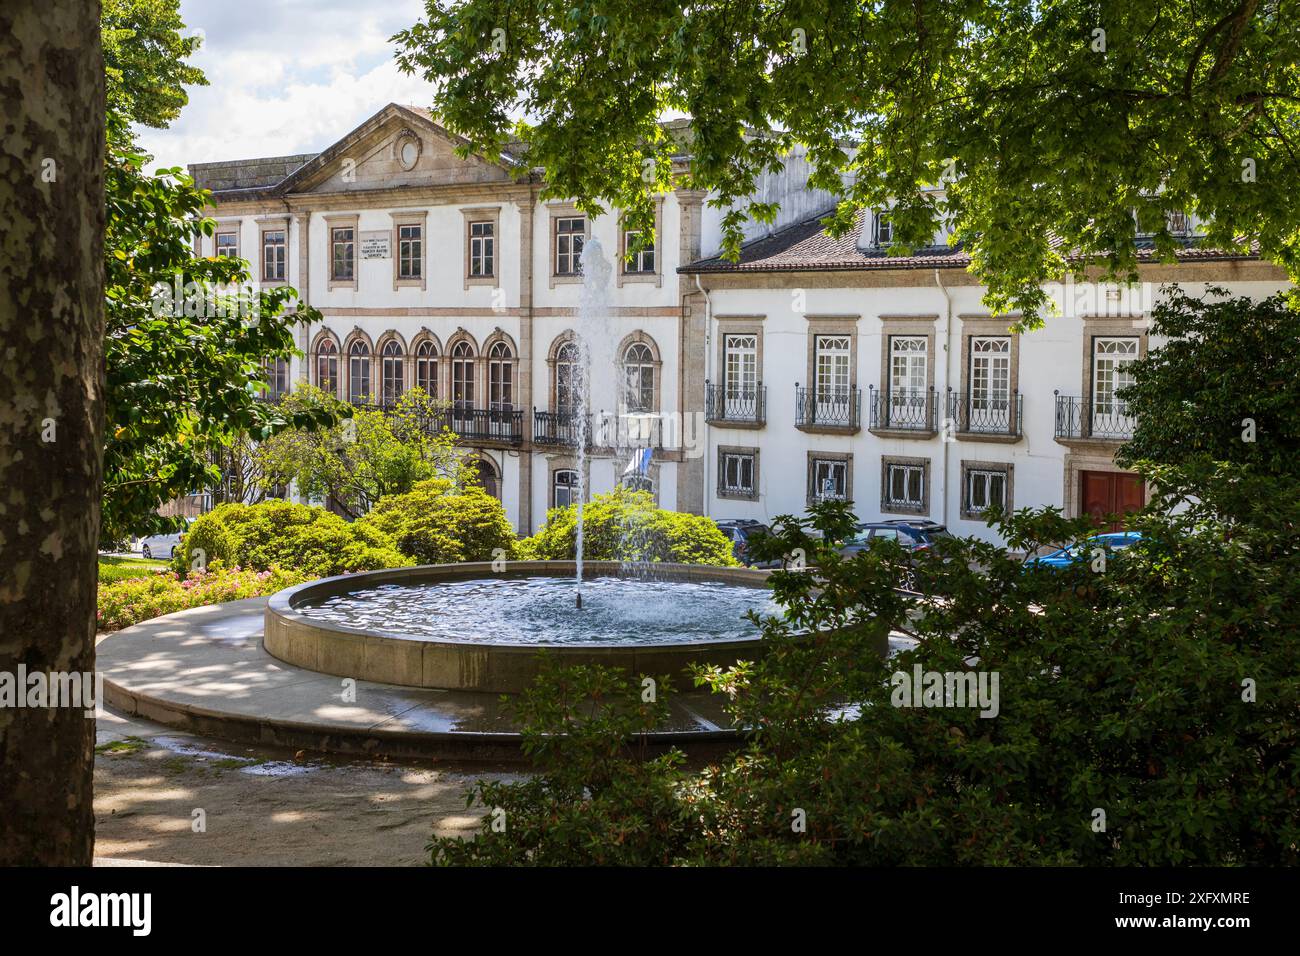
(1105, 493)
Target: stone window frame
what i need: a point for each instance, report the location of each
(738, 325)
(500, 336)
(832, 324)
(469, 216)
(1008, 470)
(552, 360)
(267, 224)
(1105, 327)
(566, 462)
(353, 222)
(417, 340)
(228, 227)
(345, 362)
(833, 456)
(392, 335)
(621, 275)
(411, 217)
(889, 507)
(894, 326)
(476, 366)
(752, 452)
(558, 211)
(327, 334)
(640, 337)
(988, 326)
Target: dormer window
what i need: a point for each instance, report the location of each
(884, 229)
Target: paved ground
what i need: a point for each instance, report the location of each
(267, 808)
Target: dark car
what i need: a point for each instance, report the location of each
(740, 530)
(912, 534)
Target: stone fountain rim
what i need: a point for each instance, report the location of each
(285, 603)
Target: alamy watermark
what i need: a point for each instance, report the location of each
(923, 688)
(49, 689)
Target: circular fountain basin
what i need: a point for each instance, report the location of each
(467, 627)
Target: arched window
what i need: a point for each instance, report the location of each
(564, 488)
(488, 477)
(567, 374)
(501, 378)
(327, 367)
(462, 375)
(426, 368)
(639, 378)
(393, 376)
(359, 372)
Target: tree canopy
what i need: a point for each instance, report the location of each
(1051, 123)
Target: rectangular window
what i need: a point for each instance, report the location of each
(736, 474)
(482, 249)
(884, 229)
(904, 486)
(642, 261)
(228, 245)
(410, 251)
(570, 234)
(829, 479)
(985, 488)
(343, 254)
(274, 255)
(564, 488)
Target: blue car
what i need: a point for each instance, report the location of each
(1112, 541)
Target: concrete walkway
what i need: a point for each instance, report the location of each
(204, 671)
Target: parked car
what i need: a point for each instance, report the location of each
(912, 534)
(1064, 557)
(160, 545)
(740, 530)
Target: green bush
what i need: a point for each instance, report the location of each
(439, 523)
(303, 538)
(113, 568)
(123, 603)
(210, 535)
(627, 526)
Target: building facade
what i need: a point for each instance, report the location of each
(812, 367)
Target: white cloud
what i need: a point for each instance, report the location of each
(287, 76)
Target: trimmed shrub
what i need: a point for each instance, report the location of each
(209, 535)
(304, 538)
(128, 602)
(439, 523)
(627, 526)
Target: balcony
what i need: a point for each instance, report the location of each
(1093, 419)
(558, 428)
(504, 425)
(903, 413)
(834, 410)
(735, 407)
(986, 419)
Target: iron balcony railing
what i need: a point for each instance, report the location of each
(903, 410)
(828, 407)
(725, 403)
(503, 424)
(1105, 418)
(558, 428)
(982, 415)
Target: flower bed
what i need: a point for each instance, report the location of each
(128, 602)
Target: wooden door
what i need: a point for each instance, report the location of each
(1103, 493)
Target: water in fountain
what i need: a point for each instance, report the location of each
(596, 343)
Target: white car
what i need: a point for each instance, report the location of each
(160, 545)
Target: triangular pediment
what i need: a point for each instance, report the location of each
(398, 146)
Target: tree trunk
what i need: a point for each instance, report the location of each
(51, 415)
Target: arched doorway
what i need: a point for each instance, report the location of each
(489, 477)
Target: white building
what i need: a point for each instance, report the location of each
(813, 366)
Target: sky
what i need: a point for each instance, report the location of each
(286, 77)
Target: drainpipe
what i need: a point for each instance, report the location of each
(708, 377)
(947, 378)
